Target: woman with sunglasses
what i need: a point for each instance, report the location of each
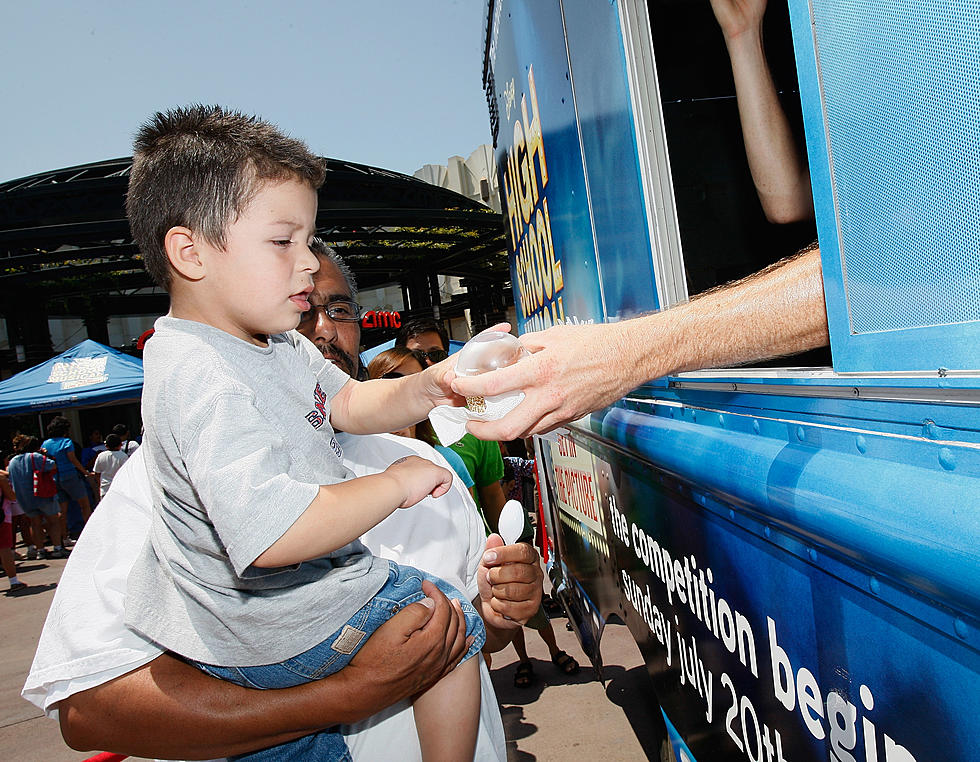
(427, 337)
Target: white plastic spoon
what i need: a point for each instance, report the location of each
(510, 525)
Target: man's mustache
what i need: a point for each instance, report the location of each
(332, 352)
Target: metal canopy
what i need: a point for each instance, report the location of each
(64, 234)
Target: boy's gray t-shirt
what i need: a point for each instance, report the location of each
(238, 440)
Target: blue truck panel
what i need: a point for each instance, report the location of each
(795, 551)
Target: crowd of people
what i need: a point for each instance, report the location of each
(40, 480)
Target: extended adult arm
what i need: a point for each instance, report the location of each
(137, 714)
(574, 370)
(778, 169)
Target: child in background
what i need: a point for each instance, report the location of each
(253, 556)
(7, 560)
(108, 462)
(519, 484)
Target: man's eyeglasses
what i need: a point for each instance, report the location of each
(433, 355)
(342, 311)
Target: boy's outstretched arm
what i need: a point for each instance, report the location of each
(384, 405)
(342, 512)
(136, 713)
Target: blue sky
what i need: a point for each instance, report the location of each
(381, 82)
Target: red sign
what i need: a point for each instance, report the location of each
(381, 319)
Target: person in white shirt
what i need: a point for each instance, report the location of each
(113, 690)
(85, 644)
(128, 446)
(108, 462)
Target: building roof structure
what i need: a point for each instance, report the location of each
(66, 230)
(66, 249)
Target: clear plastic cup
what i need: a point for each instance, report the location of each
(483, 353)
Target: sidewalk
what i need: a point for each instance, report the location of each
(26, 735)
(574, 717)
(558, 718)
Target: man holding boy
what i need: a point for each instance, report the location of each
(256, 522)
(219, 718)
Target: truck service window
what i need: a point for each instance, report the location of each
(724, 232)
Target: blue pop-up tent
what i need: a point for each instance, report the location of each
(87, 375)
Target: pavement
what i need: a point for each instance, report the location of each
(26, 735)
(562, 717)
(558, 717)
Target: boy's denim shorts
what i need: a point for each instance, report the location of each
(403, 588)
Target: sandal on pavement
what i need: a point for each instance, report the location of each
(565, 663)
(552, 607)
(524, 675)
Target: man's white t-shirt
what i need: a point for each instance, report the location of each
(107, 465)
(85, 643)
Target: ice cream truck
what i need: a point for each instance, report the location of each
(795, 546)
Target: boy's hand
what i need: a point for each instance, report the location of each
(419, 478)
(438, 379)
(437, 384)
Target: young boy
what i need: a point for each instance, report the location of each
(254, 555)
(108, 462)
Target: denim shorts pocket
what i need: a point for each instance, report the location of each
(324, 658)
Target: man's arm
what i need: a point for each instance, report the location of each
(170, 710)
(781, 176)
(574, 370)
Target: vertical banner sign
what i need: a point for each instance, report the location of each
(577, 493)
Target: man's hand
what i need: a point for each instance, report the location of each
(419, 478)
(735, 17)
(572, 371)
(411, 651)
(509, 578)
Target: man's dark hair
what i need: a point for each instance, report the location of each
(321, 249)
(121, 430)
(113, 442)
(199, 167)
(59, 426)
(508, 471)
(415, 328)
